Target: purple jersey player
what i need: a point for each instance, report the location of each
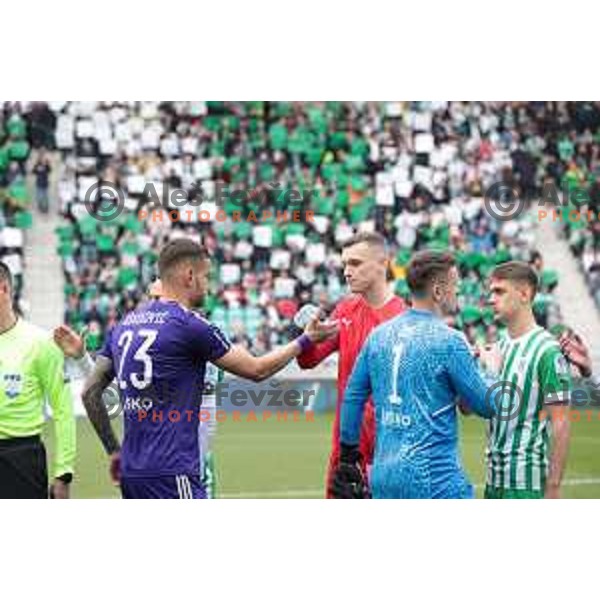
(158, 355)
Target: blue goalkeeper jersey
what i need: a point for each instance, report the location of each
(416, 367)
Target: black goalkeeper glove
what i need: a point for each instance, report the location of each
(349, 481)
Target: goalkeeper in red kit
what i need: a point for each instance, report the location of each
(366, 268)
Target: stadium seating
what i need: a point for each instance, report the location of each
(415, 171)
(15, 217)
(571, 161)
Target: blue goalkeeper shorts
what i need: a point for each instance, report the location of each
(183, 487)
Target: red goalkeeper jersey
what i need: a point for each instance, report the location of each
(356, 320)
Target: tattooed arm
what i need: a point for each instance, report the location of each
(94, 387)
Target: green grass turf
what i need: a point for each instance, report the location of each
(287, 460)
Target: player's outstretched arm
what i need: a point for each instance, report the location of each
(77, 361)
(71, 344)
(316, 353)
(354, 400)
(473, 387)
(93, 389)
(257, 368)
(349, 480)
(577, 353)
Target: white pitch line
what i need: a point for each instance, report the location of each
(567, 482)
(319, 492)
(305, 493)
(582, 481)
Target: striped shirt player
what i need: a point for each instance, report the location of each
(535, 375)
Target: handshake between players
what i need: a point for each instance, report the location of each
(417, 369)
(158, 354)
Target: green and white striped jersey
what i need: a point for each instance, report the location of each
(536, 375)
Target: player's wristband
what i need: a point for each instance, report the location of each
(304, 342)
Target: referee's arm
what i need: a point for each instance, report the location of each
(50, 368)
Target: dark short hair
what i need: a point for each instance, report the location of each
(426, 266)
(178, 251)
(5, 274)
(373, 238)
(517, 271)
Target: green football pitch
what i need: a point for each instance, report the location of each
(287, 459)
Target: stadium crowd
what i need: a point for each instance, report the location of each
(569, 160)
(415, 171)
(23, 127)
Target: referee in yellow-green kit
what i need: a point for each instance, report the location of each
(31, 372)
